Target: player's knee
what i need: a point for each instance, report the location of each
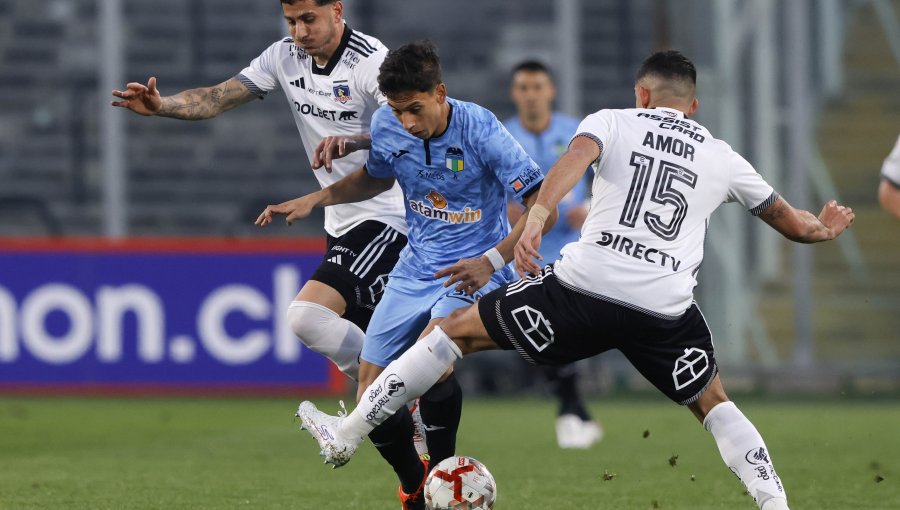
(459, 323)
(310, 322)
(465, 329)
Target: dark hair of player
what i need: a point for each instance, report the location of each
(532, 66)
(319, 3)
(413, 67)
(670, 66)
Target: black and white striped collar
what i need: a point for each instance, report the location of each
(336, 56)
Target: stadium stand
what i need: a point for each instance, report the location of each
(200, 178)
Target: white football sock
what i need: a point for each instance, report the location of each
(744, 452)
(325, 332)
(406, 378)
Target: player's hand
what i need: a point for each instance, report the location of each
(526, 250)
(334, 147)
(469, 275)
(836, 218)
(296, 209)
(141, 99)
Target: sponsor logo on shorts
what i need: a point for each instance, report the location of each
(377, 288)
(689, 367)
(534, 326)
(395, 386)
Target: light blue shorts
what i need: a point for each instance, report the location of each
(406, 307)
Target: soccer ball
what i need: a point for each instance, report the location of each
(460, 483)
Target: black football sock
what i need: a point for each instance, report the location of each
(564, 384)
(441, 408)
(393, 439)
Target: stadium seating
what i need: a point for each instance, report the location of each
(201, 178)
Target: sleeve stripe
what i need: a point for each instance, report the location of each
(352, 45)
(362, 42)
(756, 211)
(592, 137)
(260, 93)
(892, 182)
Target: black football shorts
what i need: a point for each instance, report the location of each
(550, 322)
(357, 265)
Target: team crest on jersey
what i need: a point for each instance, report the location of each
(454, 160)
(436, 199)
(342, 93)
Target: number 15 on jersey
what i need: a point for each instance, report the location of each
(668, 175)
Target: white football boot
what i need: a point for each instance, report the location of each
(324, 428)
(572, 432)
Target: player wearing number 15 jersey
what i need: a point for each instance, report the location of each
(627, 283)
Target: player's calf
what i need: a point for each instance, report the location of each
(745, 453)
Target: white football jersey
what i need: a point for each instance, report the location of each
(657, 181)
(338, 99)
(890, 170)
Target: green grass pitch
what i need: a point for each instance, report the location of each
(222, 454)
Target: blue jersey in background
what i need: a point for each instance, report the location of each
(454, 185)
(546, 148)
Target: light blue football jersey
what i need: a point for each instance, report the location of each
(454, 185)
(546, 148)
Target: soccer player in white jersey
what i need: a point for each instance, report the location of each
(456, 163)
(328, 73)
(889, 189)
(627, 283)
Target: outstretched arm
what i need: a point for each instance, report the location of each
(193, 104)
(356, 187)
(802, 226)
(559, 181)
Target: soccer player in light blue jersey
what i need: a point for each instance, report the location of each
(545, 135)
(455, 163)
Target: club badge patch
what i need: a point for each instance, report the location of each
(454, 160)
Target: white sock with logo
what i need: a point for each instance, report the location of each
(325, 332)
(406, 378)
(744, 452)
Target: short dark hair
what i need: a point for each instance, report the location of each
(413, 67)
(532, 66)
(669, 65)
(320, 3)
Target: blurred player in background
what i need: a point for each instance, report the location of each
(329, 75)
(455, 163)
(628, 282)
(545, 134)
(889, 189)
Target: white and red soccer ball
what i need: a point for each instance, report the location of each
(460, 483)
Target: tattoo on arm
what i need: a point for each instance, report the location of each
(804, 227)
(207, 102)
(775, 212)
